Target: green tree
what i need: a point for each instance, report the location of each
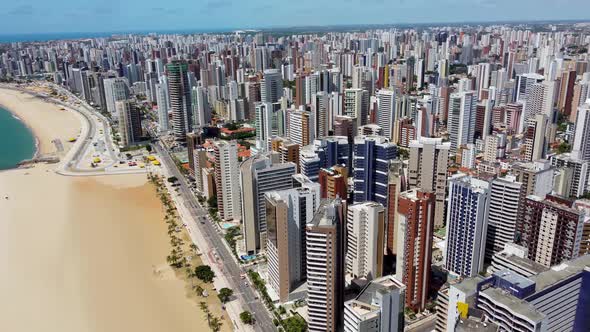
(215, 324)
(225, 294)
(148, 148)
(204, 273)
(247, 318)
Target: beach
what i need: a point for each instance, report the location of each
(84, 253)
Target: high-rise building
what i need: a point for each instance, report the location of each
(395, 185)
(356, 105)
(539, 100)
(334, 182)
(566, 91)
(551, 229)
(264, 125)
(180, 98)
(414, 253)
(379, 307)
(288, 151)
(385, 116)
(320, 112)
(462, 116)
(372, 155)
(162, 101)
(129, 122)
(201, 112)
(227, 180)
(505, 204)
(271, 86)
(581, 148)
(469, 200)
(259, 175)
(287, 214)
(535, 138)
(325, 267)
(365, 238)
(115, 89)
(301, 127)
(427, 170)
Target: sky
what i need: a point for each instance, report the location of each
(42, 16)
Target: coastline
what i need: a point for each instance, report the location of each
(95, 246)
(37, 153)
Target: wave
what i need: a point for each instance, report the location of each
(16, 117)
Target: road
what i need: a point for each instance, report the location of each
(246, 294)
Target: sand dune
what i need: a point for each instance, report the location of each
(78, 254)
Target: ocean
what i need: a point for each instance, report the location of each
(17, 142)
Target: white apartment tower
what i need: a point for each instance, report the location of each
(505, 200)
(227, 179)
(365, 239)
(462, 116)
(386, 112)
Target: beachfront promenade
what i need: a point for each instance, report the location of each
(94, 128)
(206, 237)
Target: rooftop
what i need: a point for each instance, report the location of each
(383, 285)
(362, 309)
(514, 278)
(515, 304)
(523, 263)
(560, 272)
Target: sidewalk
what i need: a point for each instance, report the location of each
(232, 307)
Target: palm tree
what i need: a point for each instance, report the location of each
(205, 308)
(215, 324)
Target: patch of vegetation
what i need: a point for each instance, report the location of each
(204, 273)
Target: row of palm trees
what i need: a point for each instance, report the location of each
(180, 253)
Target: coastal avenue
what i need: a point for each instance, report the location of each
(233, 271)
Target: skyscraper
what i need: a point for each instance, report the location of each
(551, 229)
(427, 170)
(129, 122)
(372, 155)
(396, 184)
(365, 238)
(581, 148)
(334, 182)
(356, 105)
(180, 98)
(385, 116)
(271, 86)
(115, 89)
(505, 204)
(469, 200)
(535, 138)
(201, 112)
(416, 225)
(462, 116)
(227, 180)
(162, 100)
(287, 214)
(259, 175)
(325, 267)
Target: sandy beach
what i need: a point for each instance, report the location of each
(81, 253)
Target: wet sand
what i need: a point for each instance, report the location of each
(81, 254)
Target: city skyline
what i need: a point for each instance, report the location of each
(36, 17)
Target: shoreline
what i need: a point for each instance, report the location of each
(32, 132)
(76, 283)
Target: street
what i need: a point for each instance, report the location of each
(246, 295)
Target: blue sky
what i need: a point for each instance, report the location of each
(42, 16)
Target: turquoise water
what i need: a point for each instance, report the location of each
(17, 142)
